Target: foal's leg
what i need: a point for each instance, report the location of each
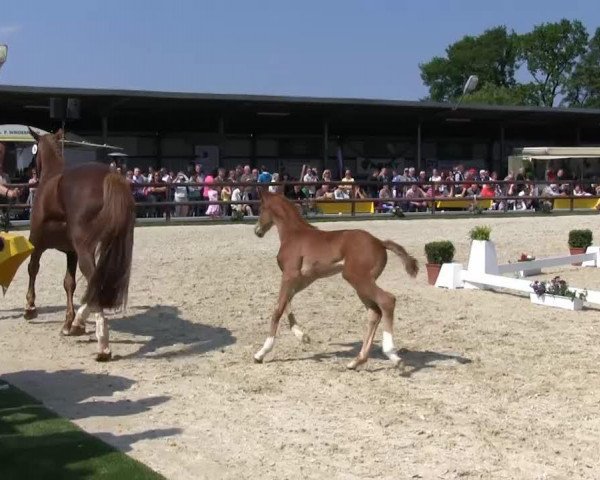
(387, 303)
(299, 334)
(285, 295)
(70, 284)
(374, 317)
(33, 268)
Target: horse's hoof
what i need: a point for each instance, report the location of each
(77, 330)
(305, 338)
(257, 360)
(103, 357)
(30, 313)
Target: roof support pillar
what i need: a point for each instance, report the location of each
(325, 144)
(503, 166)
(105, 129)
(419, 160)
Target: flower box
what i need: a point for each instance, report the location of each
(556, 301)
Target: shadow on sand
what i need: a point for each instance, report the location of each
(412, 360)
(170, 335)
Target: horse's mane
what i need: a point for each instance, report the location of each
(285, 209)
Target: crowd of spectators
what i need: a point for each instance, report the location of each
(390, 188)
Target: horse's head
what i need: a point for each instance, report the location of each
(47, 153)
(265, 219)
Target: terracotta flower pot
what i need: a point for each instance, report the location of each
(433, 270)
(577, 251)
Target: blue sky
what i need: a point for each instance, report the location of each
(338, 48)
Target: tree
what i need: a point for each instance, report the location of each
(490, 94)
(551, 52)
(583, 89)
(492, 56)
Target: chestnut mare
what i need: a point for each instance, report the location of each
(82, 211)
(307, 254)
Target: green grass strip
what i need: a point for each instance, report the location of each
(35, 443)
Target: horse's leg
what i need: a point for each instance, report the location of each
(33, 268)
(299, 334)
(87, 265)
(70, 284)
(104, 354)
(286, 292)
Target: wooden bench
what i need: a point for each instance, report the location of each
(486, 203)
(583, 202)
(343, 207)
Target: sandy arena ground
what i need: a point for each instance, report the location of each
(493, 386)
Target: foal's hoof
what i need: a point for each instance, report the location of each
(305, 338)
(353, 365)
(257, 360)
(103, 357)
(30, 313)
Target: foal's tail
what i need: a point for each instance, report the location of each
(410, 263)
(112, 229)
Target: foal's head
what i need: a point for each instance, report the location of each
(48, 157)
(266, 217)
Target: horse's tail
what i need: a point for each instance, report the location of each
(410, 263)
(112, 232)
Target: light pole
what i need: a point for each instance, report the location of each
(3, 54)
(470, 85)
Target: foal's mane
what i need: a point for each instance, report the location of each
(284, 209)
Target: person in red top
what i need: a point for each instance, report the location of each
(487, 191)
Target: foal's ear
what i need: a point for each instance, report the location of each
(60, 134)
(34, 134)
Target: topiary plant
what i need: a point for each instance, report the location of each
(481, 232)
(580, 238)
(439, 252)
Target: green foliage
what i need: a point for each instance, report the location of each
(237, 216)
(551, 52)
(492, 56)
(558, 56)
(481, 232)
(580, 238)
(439, 252)
(583, 89)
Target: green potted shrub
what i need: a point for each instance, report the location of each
(481, 232)
(437, 253)
(579, 240)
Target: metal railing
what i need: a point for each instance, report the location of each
(167, 205)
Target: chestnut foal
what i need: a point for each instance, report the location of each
(307, 254)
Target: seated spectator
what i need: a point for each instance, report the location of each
(340, 193)
(385, 194)
(579, 192)
(487, 191)
(414, 195)
(347, 189)
(275, 188)
(472, 191)
(324, 192)
(237, 196)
